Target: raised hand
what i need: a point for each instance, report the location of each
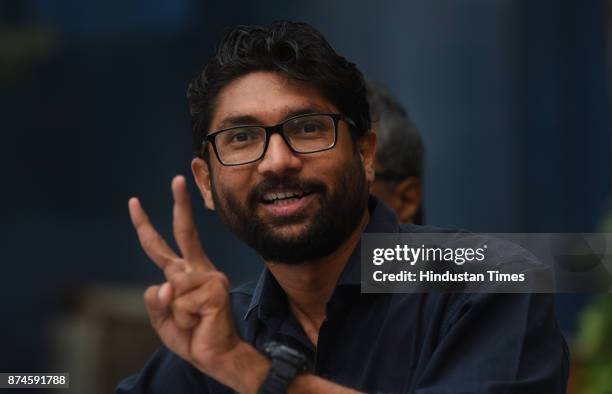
(191, 310)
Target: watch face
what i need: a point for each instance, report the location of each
(285, 353)
(286, 363)
(270, 348)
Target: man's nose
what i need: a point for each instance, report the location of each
(279, 158)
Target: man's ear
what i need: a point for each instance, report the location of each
(367, 151)
(408, 194)
(203, 178)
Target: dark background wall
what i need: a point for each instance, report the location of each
(511, 97)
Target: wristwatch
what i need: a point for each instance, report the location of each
(286, 364)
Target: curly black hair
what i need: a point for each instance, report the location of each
(294, 49)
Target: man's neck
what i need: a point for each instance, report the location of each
(310, 285)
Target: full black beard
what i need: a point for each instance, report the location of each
(340, 213)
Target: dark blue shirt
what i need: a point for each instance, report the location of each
(393, 343)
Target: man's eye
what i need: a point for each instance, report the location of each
(240, 137)
(311, 127)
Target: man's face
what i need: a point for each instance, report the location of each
(329, 188)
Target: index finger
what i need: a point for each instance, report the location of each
(184, 228)
(152, 243)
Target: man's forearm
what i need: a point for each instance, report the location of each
(311, 384)
(246, 369)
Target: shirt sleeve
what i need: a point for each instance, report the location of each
(497, 343)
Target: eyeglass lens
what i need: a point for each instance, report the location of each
(305, 134)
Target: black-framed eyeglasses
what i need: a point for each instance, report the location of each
(307, 133)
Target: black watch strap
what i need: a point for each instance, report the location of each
(286, 364)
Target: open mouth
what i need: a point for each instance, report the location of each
(287, 203)
(286, 197)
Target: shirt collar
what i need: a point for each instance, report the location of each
(269, 296)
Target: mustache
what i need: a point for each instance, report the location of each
(273, 182)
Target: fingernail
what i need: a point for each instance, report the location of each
(163, 291)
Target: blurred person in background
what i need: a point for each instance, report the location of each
(399, 156)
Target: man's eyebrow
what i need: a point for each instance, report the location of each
(238, 120)
(250, 120)
(305, 111)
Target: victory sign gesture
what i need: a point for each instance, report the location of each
(191, 310)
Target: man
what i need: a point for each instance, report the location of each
(399, 156)
(284, 155)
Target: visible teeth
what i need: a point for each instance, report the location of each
(282, 195)
(286, 201)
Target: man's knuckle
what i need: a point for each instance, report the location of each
(173, 266)
(180, 305)
(149, 294)
(185, 232)
(220, 279)
(151, 242)
(218, 276)
(182, 319)
(176, 279)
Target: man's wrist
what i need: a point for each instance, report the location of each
(244, 369)
(286, 364)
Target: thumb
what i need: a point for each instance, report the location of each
(157, 301)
